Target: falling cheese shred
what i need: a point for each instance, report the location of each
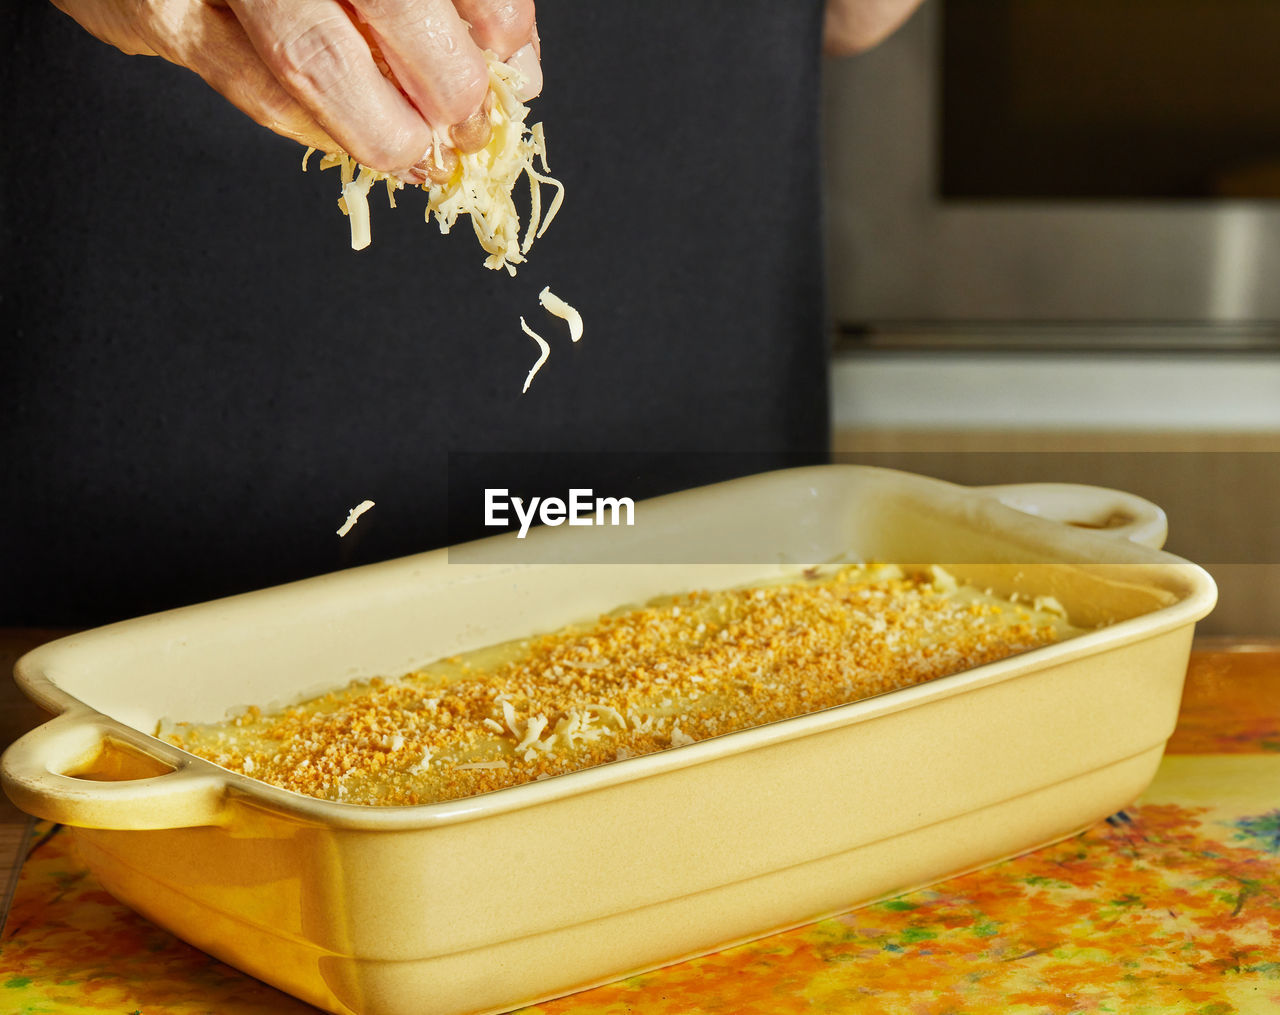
(542, 344)
(559, 308)
(482, 185)
(353, 515)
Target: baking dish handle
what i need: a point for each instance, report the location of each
(1110, 512)
(33, 771)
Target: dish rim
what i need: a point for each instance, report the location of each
(32, 674)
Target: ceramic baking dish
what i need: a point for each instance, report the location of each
(526, 893)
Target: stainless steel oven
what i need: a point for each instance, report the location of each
(1054, 239)
(1022, 161)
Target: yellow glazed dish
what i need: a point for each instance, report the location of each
(486, 903)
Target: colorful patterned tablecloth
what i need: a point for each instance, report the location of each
(1172, 905)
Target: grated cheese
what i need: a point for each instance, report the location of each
(423, 765)
(1049, 604)
(725, 660)
(559, 308)
(542, 344)
(481, 186)
(355, 198)
(532, 731)
(354, 514)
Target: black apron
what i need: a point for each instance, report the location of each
(200, 377)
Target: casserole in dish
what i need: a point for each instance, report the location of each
(485, 903)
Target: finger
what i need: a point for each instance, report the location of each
(504, 26)
(436, 62)
(316, 53)
(508, 28)
(526, 62)
(433, 168)
(473, 133)
(854, 26)
(215, 46)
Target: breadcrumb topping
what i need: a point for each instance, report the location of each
(636, 681)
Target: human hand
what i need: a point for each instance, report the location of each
(854, 26)
(369, 77)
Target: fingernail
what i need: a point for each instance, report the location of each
(525, 63)
(471, 134)
(437, 170)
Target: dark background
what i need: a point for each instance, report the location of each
(200, 377)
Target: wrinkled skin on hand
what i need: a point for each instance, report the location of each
(313, 70)
(372, 77)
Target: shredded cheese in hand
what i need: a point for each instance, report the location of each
(480, 187)
(355, 198)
